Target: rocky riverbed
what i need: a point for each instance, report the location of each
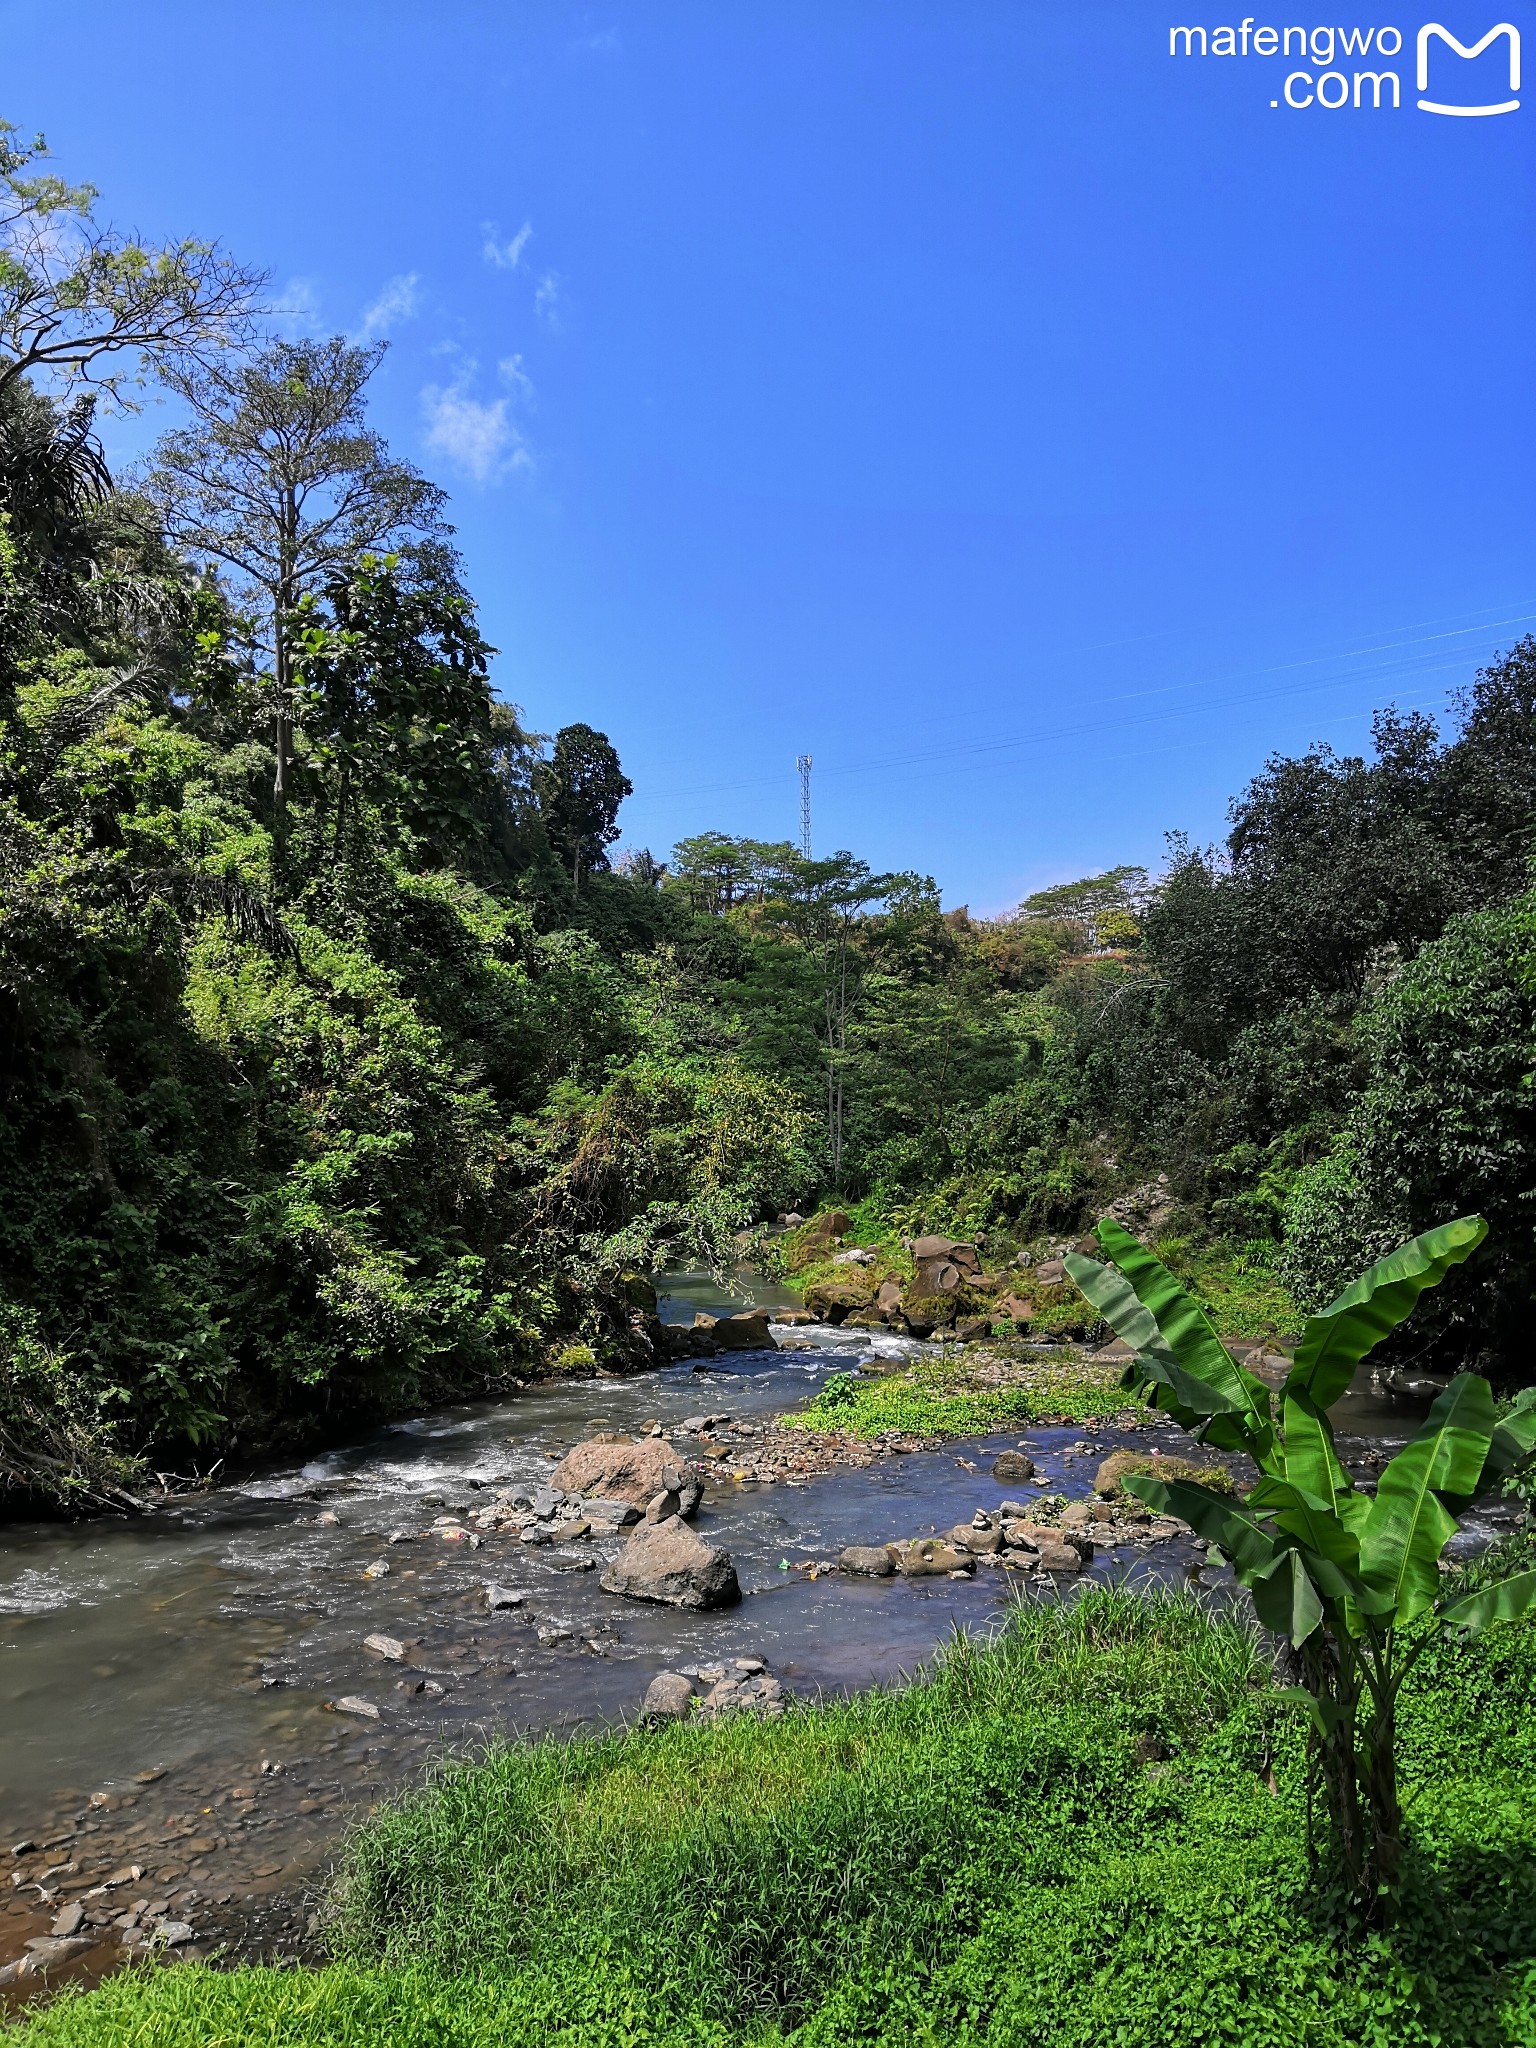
(196, 1704)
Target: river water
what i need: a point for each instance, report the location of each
(180, 1669)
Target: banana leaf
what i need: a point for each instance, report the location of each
(1370, 1308)
(1201, 1355)
(1334, 1548)
(1409, 1525)
(1505, 1601)
(1286, 1600)
(1311, 1462)
(1514, 1439)
(1155, 1367)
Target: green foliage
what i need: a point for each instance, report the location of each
(1446, 1119)
(579, 790)
(984, 1857)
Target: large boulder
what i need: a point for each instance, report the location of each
(949, 1250)
(1109, 1480)
(933, 1246)
(827, 1229)
(632, 1473)
(668, 1563)
(832, 1301)
(932, 1279)
(745, 1332)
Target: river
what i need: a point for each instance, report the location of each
(167, 1682)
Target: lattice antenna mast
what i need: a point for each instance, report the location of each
(803, 763)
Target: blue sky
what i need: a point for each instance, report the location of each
(1035, 428)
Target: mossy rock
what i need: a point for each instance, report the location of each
(1121, 1465)
(831, 1301)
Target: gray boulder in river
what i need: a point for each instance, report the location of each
(667, 1562)
(632, 1472)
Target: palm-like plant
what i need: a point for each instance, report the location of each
(1337, 1571)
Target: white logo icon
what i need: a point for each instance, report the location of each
(1504, 28)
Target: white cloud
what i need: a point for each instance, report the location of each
(505, 255)
(477, 436)
(546, 301)
(400, 298)
(516, 378)
(297, 310)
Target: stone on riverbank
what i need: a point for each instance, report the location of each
(668, 1697)
(741, 1692)
(928, 1557)
(45, 1953)
(867, 1560)
(833, 1301)
(668, 1563)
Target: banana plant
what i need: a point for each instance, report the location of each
(1338, 1572)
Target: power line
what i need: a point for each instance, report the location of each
(1374, 671)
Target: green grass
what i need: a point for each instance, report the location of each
(1236, 1283)
(985, 1857)
(967, 1392)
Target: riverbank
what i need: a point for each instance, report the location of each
(172, 1735)
(1088, 1831)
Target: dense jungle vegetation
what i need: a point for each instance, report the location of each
(345, 1064)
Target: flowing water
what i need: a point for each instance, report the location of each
(167, 1684)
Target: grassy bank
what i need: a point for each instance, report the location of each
(1089, 1834)
(967, 1392)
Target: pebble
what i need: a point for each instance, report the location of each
(352, 1703)
(498, 1597)
(386, 1646)
(329, 1520)
(379, 1569)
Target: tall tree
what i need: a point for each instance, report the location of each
(88, 305)
(279, 480)
(823, 905)
(580, 788)
(392, 677)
